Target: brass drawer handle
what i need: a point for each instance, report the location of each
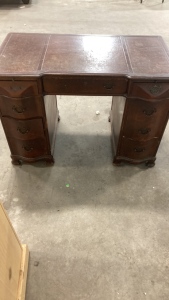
(155, 89)
(144, 130)
(149, 112)
(109, 86)
(139, 150)
(27, 148)
(19, 109)
(23, 130)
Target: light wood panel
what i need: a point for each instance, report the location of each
(13, 261)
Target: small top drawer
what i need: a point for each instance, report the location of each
(18, 88)
(85, 85)
(149, 90)
(21, 108)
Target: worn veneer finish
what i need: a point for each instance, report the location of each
(36, 67)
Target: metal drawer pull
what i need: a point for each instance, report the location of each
(23, 130)
(144, 130)
(138, 150)
(19, 109)
(149, 112)
(109, 86)
(155, 89)
(27, 148)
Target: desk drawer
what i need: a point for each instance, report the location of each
(145, 120)
(84, 85)
(23, 129)
(21, 108)
(18, 88)
(29, 148)
(149, 90)
(138, 150)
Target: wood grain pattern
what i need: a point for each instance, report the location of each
(23, 273)
(13, 260)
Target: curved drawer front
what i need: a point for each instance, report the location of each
(141, 132)
(21, 108)
(29, 148)
(149, 90)
(23, 130)
(138, 150)
(145, 120)
(18, 88)
(84, 85)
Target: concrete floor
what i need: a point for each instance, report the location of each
(106, 236)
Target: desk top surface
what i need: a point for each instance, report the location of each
(34, 54)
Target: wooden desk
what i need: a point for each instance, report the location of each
(134, 69)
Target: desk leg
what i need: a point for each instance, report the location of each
(150, 163)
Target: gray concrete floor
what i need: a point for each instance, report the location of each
(105, 237)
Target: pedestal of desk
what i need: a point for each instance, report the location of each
(137, 127)
(29, 121)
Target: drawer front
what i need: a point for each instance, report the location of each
(29, 148)
(138, 150)
(21, 108)
(149, 90)
(23, 130)
(18, 88)
(81, 85)
(145, 120)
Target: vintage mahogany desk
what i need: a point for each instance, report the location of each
(134, 69)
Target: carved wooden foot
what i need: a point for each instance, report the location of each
(150, 163)
(49, 161)
(16, 162)
(49, 164)
(117, 162)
